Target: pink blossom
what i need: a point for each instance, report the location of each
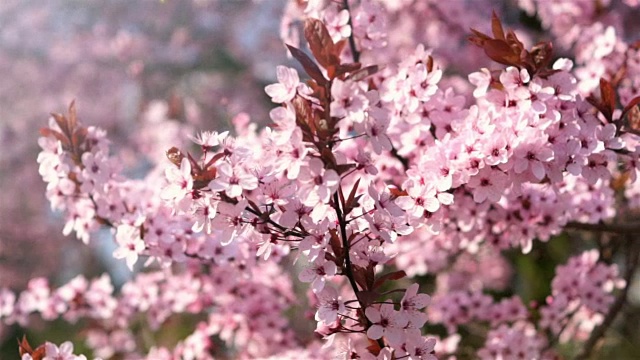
(285, 89)
(386, 322)
(330, 305)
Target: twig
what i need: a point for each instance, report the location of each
(632, 264)
(352, 40)
(622, 228)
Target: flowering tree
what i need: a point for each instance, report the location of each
(380, 174)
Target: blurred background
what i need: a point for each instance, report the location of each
(150, 72)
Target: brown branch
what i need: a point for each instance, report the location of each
(633, 256)
(622, 228)
(352, 41)
(403, 160)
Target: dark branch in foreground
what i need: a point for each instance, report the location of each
(352, 41)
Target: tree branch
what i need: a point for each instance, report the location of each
(352, 40)
(622, 228)
(631, 267)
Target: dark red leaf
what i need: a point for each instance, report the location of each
(352, 194)
(396, 275)
(175, 156)
(320, 43)
(346, 68)
(496, 27)
(500, 52)
(363, 73)
(608, 95)
(309, 66)
(635, 101)
(367, 298)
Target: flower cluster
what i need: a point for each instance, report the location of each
(374, 171)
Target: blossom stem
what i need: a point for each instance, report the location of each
(347, 259)
(352, 40)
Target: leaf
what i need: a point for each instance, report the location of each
(303, 117)
(23, 346)
(343, 168)
(396, 275)
(47, 132)
(309, 66)
(359, 275)
(62, 124)
(496, 27)
(73, 120)
(352, 194)
(633, 119)
(542, 54)
(478, 38)
(608, 98)
(346, 68)
(367, 298)
(635, 101)
(363, 73)
(79, 135)
(336, 246)
(320, 43)
(499, 51)
(370, 275)
(341, 197)
(175, 156)
(397, 192)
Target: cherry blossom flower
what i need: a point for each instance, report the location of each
(285, 89)
(319, 183)
(386, 322)
(131, 245)
(180, 182)
(317, 273)
(233, 180)
(330, 305)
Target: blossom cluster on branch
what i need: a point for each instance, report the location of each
(374, 172)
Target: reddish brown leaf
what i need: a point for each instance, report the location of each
(23, 346)
(79, 135)
(496, 27)
(359, 275)
(635, 101)
(542, 54)
(633, 119)
(304, 116)
(397, 192)
(309, 66)
(39, 353)
(373, 347)
(396, 275)
(608, 97)
(336, 246)
(500, 52)
(363, 73)
(73, 120)
(175, 156)
(346, 68)
(62, 124)
(320, 43)
(47, 132)
(343, 204)
(367, 298)
(478, 38)
(352, 194)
